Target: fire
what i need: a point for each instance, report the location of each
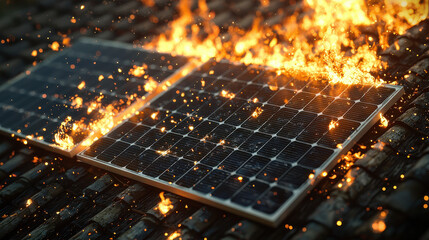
(383, 121)
(62, 138)
(257, 112)
(328, 43)
(227, 94)
(323, 39)
(333, 124)
(69, 129)
(29, 202)
(165, 205)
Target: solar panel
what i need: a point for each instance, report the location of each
(35, 104)
(241, 138)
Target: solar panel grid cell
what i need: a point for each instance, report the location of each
(249, 143)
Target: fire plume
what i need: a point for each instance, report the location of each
(165, 205)
(318, 38)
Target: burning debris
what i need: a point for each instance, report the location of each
(165, 205)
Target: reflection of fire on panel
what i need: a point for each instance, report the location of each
(79, 93)
(214, 142)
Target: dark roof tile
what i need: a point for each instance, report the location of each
(245, 230)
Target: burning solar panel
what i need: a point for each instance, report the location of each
(80, 84)
(241, 138)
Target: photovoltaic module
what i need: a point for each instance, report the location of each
(241, 138)
(34, 104)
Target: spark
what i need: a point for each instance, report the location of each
(257, 112)
(81, 85)
(227, 94)
(333, 124)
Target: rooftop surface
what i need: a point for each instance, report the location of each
(46, 196)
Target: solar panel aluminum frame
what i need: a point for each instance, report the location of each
(182, 71)
(275, 218)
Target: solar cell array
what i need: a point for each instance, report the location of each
(239, 137)
(36, 103)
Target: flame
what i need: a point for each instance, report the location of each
(62, 139)
(257, 112)
(322, 39)
(105, 121)
(29, 202)
(383, 121)
(333, 124)
(322, 44)
(165, 205)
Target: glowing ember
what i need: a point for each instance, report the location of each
(174, 235)
(100, 78)
(154, 115)
(383, 121)
(333, 124)
(165, 205)
(257, 112)
(55, 46)
(226, 94)
(77, 102)
(29, 202)
(150, 85)
(378, 226)
(163, 153)
(138, 71)
(81, 85)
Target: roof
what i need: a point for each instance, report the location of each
(43, 195)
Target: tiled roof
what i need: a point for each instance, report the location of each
(44, 196)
